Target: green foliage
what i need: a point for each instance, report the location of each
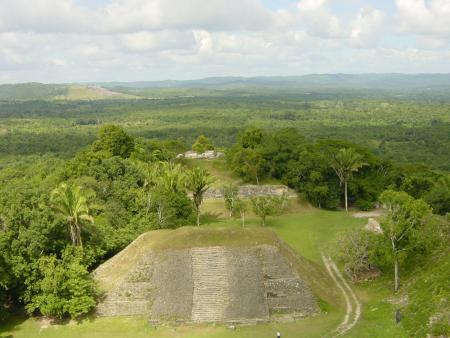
(439, 196)
(429, 295)
(230, 195)
(264, 206)
(69, 202)
(344, 163)
(60, 287)
(198, 180)
(164, 196)
(405, 228)
(4, 281)
(356, 250)
(414, 131)
(202, 144)
(239, 209)
(248, 163)
(113, 140)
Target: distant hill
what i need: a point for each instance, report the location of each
(357, 81)
(31, 91)
(430, 86)
(39, 91)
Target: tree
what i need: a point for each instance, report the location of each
(163, 194)
(198, 181)
(230, 195)
(202, 144)
(69, 201)
(345, 162)
(355, 250)
(239, 210)
(248, 163)
(60, 287)
(113, 140)
(4, 281)
(264, 206)
(439, 196)
(403, 226)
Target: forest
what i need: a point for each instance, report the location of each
(81, 180)
(406, 131)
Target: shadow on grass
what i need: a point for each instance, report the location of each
(8, 327)
(210, 217)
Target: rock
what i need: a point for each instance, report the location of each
(374, 226)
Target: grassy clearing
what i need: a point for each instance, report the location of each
(89, 93)
(137, 327)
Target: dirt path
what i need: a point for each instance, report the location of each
(353, 306)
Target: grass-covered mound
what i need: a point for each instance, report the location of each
(212, 275)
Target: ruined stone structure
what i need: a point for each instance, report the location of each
(207, 155)
(253, 190)
(211, 284)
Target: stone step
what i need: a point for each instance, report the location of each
(211, 287)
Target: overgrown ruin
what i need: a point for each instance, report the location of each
(228, 284)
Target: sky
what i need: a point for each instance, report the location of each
(61, 41)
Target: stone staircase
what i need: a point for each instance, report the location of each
(211, 289)
(286, 293)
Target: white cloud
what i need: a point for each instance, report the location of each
(128, 16)
(75, 40)
(367, 27)
(43, 16)
(424, 17)
(157, 41)
(135, 15)
(319, 19)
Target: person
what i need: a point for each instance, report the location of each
(278, 335)
(398, 316)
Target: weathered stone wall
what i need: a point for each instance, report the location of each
(207, 155)
(246, 191)
(212, 284)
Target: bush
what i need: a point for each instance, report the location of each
(356, 251)
(364, 205)
(60, 287)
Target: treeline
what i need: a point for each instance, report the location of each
(60, 219)
(312, 169)
(409, 132)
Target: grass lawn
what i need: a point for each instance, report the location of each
(306, 230)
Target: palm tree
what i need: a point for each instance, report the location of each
(345, 162)
(69, 201)
(171, 177)
(198, 181)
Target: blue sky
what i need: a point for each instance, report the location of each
(129, 40)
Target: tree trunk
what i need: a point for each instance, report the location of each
(345, 196)
(396, 275)
(243, 219)
(257, 179)
(264, 221)
(394, 252)
(198, 216)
